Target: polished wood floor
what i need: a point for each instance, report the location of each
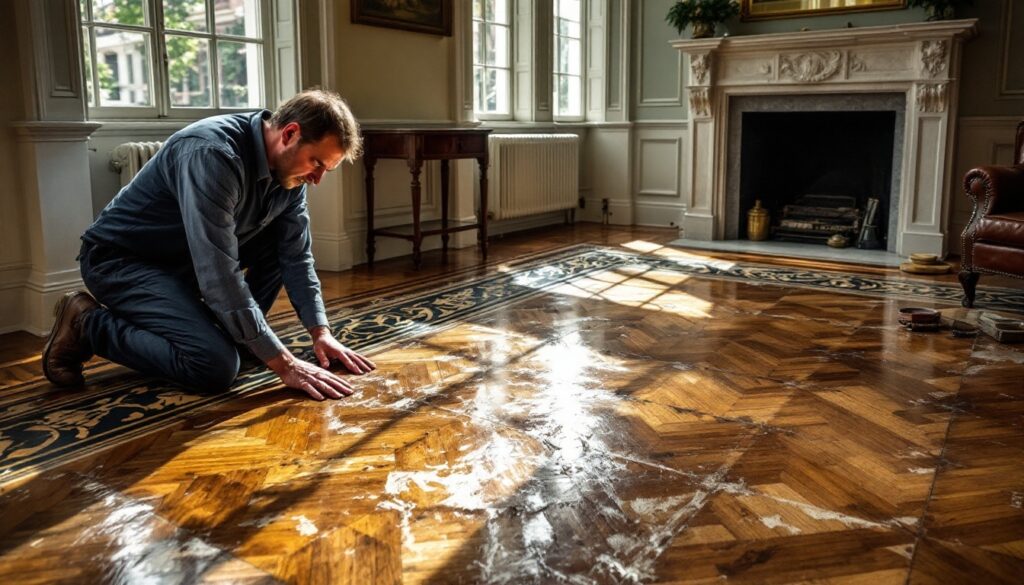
(629, 426)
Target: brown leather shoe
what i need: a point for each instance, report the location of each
(65, 350)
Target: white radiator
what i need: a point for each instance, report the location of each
(532, 173)
(129, 158)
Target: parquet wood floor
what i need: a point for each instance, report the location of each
(627, 426)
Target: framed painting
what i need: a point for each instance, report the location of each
(429, 16)
(764, 9)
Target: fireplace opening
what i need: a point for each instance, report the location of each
(819, 173)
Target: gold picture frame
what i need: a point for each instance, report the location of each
(766, 9)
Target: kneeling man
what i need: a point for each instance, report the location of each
(188, 258)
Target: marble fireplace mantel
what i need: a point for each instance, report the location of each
(921, 61)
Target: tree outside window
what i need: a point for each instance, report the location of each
(205, 44)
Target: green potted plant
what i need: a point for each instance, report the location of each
(939, 9)
(702, 14)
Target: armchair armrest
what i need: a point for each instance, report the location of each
(995, 189)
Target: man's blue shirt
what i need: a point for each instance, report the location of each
(207, 191)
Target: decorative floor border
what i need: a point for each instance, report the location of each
(40, 436)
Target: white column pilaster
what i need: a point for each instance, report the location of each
(333, 247)
(58, 208)
(53, 160)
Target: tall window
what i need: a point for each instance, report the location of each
(173, 57)
(568, 66)
(492, 58)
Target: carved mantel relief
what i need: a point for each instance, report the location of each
(932, 97)
(856, 64)
(700, 102)
(933, 57)
(700, 66)
(811, 67)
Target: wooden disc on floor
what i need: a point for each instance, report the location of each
(912, 268)
(921, 258)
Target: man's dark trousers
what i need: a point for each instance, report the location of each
(154, 320)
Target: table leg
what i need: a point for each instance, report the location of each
(444, 210)
(369, 163)
(481, 232)
(415, 166)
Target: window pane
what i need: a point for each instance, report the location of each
(495, 49)
(569, 53)
(491, 56)
(490, 85)
(503, 85)
(501, 13)
(185, 15)
(492, 90)
(574, 91)
(568, 28)
(478, 46)
(568, 9)
(562, 64)
(188, 72)
(122, 63)
(478, 89)
(497, 91)
(238, 17)
(119, 11)
(87, 56)
(497, 45)
(560, 96)
(488, 50)
(568, 95)
(239, 66)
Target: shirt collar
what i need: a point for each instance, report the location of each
(262, 166)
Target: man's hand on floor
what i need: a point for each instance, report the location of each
(326, 348)
(310, 378)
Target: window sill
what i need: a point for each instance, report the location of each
(122, 126)
(539, 125)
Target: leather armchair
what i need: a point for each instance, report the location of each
(993, 241)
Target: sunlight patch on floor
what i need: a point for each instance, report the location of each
(636, 291)
(682, 256)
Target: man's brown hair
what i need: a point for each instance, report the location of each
(319, 113)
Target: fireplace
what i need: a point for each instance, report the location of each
(916, 64)
(811, 152)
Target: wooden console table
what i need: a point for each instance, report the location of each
(416, 145)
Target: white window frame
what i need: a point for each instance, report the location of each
(159, 88)
(510, 69)
(533, 46)
(555, 74)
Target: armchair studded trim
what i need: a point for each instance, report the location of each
(1020, 143)
(993, 241)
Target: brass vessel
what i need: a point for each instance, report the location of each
(838, 241)
(757, 223)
